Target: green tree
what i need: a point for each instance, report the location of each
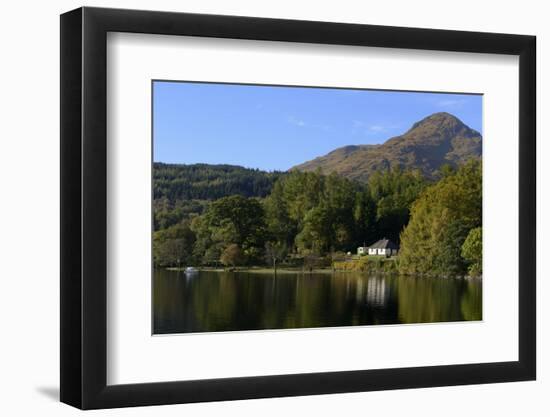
(339, 197)
(234, 219)
(441, 219)
(364, 216)
(281, 228)
(316, 234)
(312, 212)
(275, 253)
(472, 250)
(302, 191)
(394, 191)
(173, 246)
(445, 170)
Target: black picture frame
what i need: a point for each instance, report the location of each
(84, 207)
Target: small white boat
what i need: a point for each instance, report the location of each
(190, 270)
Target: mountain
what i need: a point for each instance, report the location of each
(430, 143)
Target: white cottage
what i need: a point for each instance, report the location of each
(384, 247)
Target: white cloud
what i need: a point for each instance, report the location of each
(296, 122)
(302, 123)
(451, 103)
(363, 128)
(378, 128)
(360, 127)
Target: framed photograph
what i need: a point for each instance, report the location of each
(257, 208)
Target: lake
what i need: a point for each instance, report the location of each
(211, 301)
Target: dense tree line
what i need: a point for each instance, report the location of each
(305, 215)
(209, 182)
(167, 213)
(181, 192)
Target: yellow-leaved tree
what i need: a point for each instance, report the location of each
(441, 219)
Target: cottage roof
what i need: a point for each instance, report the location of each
(384, 244)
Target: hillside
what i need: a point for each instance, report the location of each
(430, 143)
(184, 191)
(209, 182)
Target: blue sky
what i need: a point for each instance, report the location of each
(275, 128)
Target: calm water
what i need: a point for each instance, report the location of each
(225, 301)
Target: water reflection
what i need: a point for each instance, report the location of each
(376, 291)
(226, 301)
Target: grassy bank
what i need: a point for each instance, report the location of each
(365, 264)
(370, 264)
(263, 270)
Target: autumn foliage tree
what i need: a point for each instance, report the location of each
(232, 256)
(441, 220)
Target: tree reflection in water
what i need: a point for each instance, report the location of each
(228, 301)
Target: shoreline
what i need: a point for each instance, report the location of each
(282, 271)
(262, 270)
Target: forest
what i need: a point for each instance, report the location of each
(181, 191)
(213, 215)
